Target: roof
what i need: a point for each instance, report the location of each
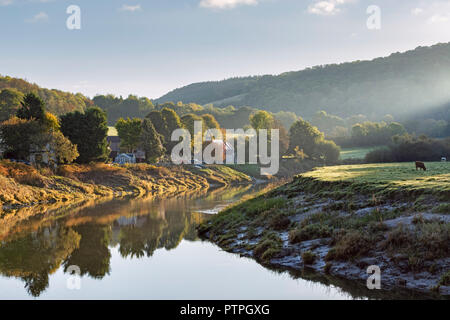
(128, 155)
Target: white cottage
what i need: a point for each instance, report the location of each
(125, 158)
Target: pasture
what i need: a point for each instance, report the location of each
(356, 153)
(387, 177)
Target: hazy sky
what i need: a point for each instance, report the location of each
(149, 47)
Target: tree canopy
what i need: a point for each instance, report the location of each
(151, 142)
(88, 131)
(129, 131)
(307, 139)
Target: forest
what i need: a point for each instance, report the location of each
(399, 84)
(363, 104)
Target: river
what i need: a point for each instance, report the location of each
(137, 249)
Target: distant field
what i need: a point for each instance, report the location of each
(356, 153)
(388, 177)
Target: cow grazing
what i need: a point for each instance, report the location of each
(420, 165)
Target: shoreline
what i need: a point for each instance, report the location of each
(337, 229)
(22, 186)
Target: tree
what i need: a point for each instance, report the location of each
(261, 120)
(129, 131)
(305, 136)
(189, 120)
(329, 150)
(88, 131)
(172, 122)
(151, 142)
(286, 118)
(51, 122)
(283, 135)
(117, 107)
(10, 102)
(158, 122)
(36, 130)
(56, 146)
(326, 122)
(32, 107)
(17, 136)
(210, 121)
(307, 139)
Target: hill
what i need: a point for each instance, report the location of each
(399, 84)
(433, 122)
(57, 101)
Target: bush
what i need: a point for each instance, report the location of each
(310, 232)
(308, 257)
(268, 247)
(410, 148)
(428, 242)
(279, 222)
(350, 246)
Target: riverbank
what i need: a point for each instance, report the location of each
(337, 221)
(22, 185)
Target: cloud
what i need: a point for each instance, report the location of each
(327, 7)
(417, 11)
(439, 18)
(131, 8)
(40, 17)
(226, 4)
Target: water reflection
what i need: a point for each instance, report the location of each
(35, 243)
(119, 242)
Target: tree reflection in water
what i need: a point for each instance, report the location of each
(34, 248)
(34, 256)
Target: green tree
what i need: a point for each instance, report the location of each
(10, 102)
(261, 120)
(117, 107)
(172, 122)
(283, 135)
(151, 142)
(189, 120)
(329, 151)
(88, 131)
(32, 107)
(17, 136)
(158, 121)
(56, 145)
(129, 131)
(210, 121)
(305, 136)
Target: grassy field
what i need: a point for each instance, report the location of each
(356, 153)
(388, 177)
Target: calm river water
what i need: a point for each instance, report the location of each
(136, 249)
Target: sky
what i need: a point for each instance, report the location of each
(150, 47)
